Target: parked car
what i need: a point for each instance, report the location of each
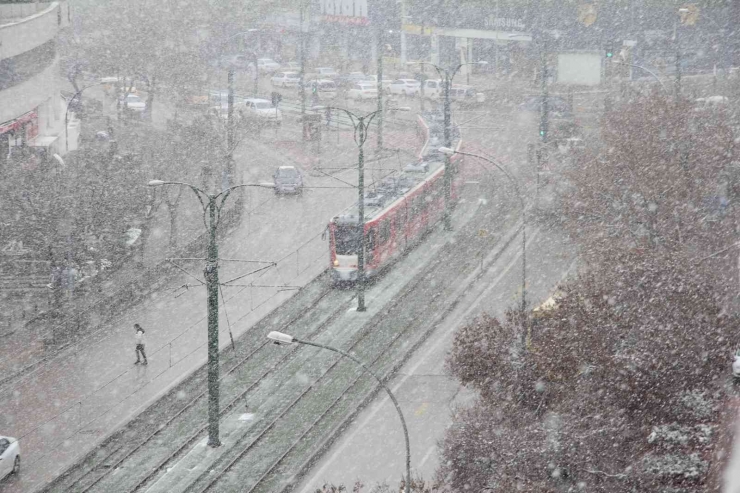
(405, 87)
(285, 79)
(362, 91)
(433, 88)
(288, 180)
(465, 94)
(291, 67)
(352, 78)
(265, 65)
(322, 88)
(262, 109)
(133, 103)
(10, 456)
(385, 85)
(236, 61)
(327, 73)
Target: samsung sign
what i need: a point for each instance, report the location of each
(503, 23)
(349, 11)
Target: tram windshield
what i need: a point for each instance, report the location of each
(346, 239)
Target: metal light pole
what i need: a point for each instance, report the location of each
(447, 76)
(230, 137)
(301, 76)
(212, 205)
(361, 126)
(281, 338)
(542, 46)
(652, 74)
(381, 48)
(76, 95)
(447, 151)
(677, 40)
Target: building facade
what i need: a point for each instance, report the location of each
(505, 32)
(32, 111)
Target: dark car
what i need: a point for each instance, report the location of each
(288, 180)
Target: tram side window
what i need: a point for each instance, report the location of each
(346, 239)
(416, 206)
(400, 221)
(437, 191)
(384, 232)
(425, 198)
(370, 241)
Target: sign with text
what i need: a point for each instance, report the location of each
(344, 11)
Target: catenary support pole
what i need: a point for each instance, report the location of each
(361, 224)
(302, 75)
(381, 48)
(230, 126)
(211, 275)
(447, 81)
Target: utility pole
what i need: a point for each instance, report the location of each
(361, 125)
(404, 48)
(447, 81)
(678, 59)
(302, 76)
(212, 205)
(544, 114)
(361, 218)
(211, 275)
(446, 76)
(381, 48)
(230, 126)
(256, 73)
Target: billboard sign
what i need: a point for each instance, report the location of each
(344, 11)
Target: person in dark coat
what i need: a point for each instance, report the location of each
(140, 343)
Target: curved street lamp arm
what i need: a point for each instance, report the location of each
(361, 123)
(454, 72)
(646, 70)
(515, 184)
(198, 192)
(442, 72)
(508, 175)
(390, 394)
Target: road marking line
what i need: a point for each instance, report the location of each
(407, 375)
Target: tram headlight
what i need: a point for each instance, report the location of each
(336, 263)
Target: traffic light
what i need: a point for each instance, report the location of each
(610, 50)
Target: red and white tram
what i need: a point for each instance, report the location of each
(397, 215)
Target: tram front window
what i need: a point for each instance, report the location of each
(346, 240)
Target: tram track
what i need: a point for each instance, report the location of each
(291, 460)
(121, 467)
(90, 474)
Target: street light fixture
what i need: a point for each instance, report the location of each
(447, 76)
(361, 126)
(76, 95)
(281, 338)
(212, 205)
(447, 151)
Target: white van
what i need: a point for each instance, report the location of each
(433, 89)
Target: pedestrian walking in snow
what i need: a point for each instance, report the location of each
(140, 345)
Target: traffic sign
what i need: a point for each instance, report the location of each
(587, 14)
(689, 14)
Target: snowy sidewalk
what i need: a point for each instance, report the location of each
(70, 402)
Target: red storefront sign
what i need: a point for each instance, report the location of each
(16, 124)
(344, 19)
